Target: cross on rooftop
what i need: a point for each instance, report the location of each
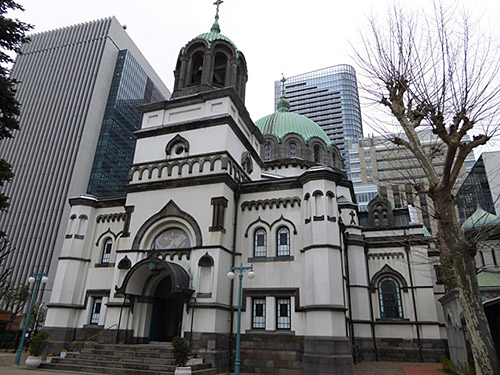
(217, 3)
(283, 80)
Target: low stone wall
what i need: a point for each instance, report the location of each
(401, 350)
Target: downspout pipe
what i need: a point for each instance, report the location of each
(233, 262)
(372, 321)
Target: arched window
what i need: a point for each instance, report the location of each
(376, 219)
(317, 153)
(283, 238)
(196, 67)
(293, 149)
(267, 151)
(390, 299)
(260, 243)
(220, 67)
(106, 250)
(173, 238)
(385, 218)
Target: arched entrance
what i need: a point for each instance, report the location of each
(166, 316)
(164, 286)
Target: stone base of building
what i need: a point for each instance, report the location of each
(214, 348)
(400, 350)
(75, 338)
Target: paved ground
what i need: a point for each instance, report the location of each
(363, 368)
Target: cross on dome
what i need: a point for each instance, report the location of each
(217, 3)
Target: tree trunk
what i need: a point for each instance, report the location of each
(483, 348)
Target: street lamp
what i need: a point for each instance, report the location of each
(230, 275)
(38, 278)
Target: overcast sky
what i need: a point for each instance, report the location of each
(276, 36)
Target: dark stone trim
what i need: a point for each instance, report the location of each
(79, 237)
(271, 259)
(282, 218)
(69, 236)
(270, 185)
(217, 229)
(174, 252)
(319, 218)
(224, 119)
(317, 192)
(169, 210)
(321, 246)
(210, 305)
(307, 221)
(322, 308)
(104, 265)
(118, 216)
(204, 295)
(359, 286)
(109, 231)
(118, 304)
(270, 292)
(219, 178)
(287, 162)
(90, 201)
(74, 258)
(98, 292)
(128, 216)
(331, 218)
(258, 220)
(66, 306)
(255, 331)
(387, 270)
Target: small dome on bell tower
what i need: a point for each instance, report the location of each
(210, 61)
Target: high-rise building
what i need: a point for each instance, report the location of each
(481, 187)
(79, 87)
(378, 166)
(330, 98)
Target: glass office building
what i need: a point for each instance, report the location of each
(330, 98)
(130, 88)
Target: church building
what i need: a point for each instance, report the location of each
(210, 189)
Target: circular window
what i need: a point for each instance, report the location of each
(173, 238)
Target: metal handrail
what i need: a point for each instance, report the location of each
(98, 333)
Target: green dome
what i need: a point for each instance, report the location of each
(480, 219)
(214, 35)
(283, 122)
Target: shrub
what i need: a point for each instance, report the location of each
(181, 351)
(39, 343)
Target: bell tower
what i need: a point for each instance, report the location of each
(210, 61)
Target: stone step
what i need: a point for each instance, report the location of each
(155, 359)
(124, 358)
(124, 364)
(117, 371)
(126, 353)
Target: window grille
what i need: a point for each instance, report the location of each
(283, 313)
(260, 246)
(96, 311)
(259, 313)
(390, 299)
(283, 242)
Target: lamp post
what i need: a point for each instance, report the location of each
(230, 275)
(38, 278)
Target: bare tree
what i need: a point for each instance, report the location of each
(438, 72)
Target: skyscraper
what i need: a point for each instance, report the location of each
(330, 98)
(75, 83)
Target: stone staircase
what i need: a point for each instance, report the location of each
(147, 359)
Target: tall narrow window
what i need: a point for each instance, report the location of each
(96, 311)
(106, 251)
(390, 299)
(283, 242)
(259, 313)
(317, 154)
(385, 218)
(196, 67)
(283, 314)
(293, 149)
(220, 67)
(376, 219)
(260, 243)
(267, 151)
(219, 207)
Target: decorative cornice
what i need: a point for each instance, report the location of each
(387, 255)
(273, 202)
(108, 218)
